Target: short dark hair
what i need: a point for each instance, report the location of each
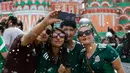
(13, 19)
(68, 23)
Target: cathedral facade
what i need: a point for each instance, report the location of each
(102, 13)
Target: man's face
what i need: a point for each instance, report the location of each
(70, 31)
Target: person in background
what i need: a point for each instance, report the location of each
(3, 22)
(11, 32)
(105, 41)
(53, 58)
(97, 58)
(10, 20)
(3, 53)
(24, 51)
(124, 51)
(20, 25)
(114, 40)
(73, 47)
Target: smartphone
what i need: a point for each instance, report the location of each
(66, 16)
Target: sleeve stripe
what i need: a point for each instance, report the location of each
(3, 44)
(115, 59)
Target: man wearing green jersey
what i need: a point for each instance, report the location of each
(73, 47)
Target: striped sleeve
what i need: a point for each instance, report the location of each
(2, 45)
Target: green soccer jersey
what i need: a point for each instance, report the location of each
(73, 57)
(45, 65)
(100, 61)
(2, 49)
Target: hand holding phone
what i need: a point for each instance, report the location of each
(66, 16)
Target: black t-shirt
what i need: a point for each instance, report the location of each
(21, 59)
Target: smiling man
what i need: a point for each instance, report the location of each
(73, 47)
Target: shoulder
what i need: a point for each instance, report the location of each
(107, 48)
(102, 45)
(18, 30)
(8, 30)
(78, 44)
(82, 51)
(17, 40)
(119, 46)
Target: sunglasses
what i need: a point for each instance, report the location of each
(87, 32)
(61, 35)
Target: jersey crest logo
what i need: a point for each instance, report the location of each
(97, 59)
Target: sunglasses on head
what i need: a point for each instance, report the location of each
(87, 32)
(61, 35)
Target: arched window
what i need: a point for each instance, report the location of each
(123, 20)
(40, 7)
(19, 8)
(33, 7)
(26, 7)
(119, 28)
(95, 5)
(127, 11)
(127, 27)
(105, 5)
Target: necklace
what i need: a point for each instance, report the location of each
(92, 50)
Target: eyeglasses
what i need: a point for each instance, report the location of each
(87, 32)
(61, 35)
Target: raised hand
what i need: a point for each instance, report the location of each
(52, 17)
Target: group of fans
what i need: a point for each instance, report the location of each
(46, 49)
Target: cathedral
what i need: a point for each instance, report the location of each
(103, 13)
